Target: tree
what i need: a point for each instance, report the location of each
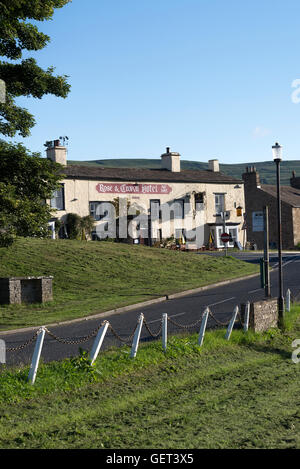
(26, 179)
(25, 78)
(26, 182)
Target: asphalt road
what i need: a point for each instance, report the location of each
(185, 311)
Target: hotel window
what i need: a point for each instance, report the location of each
(95, 212)
(179, 209)
(155, 209)
(219, 203)
(58, 199)
(199, 201)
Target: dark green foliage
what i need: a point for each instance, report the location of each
(73, 225)
(26, 182)
(79, 227)
(25, 78)
(87, 224)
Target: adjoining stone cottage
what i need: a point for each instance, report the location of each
(203, 198)
(257, 196)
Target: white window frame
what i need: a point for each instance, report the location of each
(229, 229)
(219, 203)
(57, 200)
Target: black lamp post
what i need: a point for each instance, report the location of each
(277, 155)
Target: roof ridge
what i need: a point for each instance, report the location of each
(143, 174)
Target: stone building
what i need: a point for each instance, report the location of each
(196, 200)
(257, 196)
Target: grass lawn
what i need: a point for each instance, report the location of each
(93, 277)
(238, 394)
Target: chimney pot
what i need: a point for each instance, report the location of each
(171, 161)
(57, 153)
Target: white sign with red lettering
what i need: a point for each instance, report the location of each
(107, 188)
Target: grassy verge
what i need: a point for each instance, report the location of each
(238, 394)
(90, 278)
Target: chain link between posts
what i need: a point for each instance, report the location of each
(128, 339)
(154, 335)
(74, 341)
(84, 339)
(26, 344)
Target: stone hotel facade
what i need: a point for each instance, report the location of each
(198, 201)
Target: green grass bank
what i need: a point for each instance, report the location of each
(238, 394)
(93, 277)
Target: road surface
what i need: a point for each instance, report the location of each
(185, 310)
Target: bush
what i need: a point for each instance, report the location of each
(6, 239)
(73, 226)
(79, 227)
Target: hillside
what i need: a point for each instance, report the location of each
(266, 169)
(93, 277)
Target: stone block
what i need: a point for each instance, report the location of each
(17, 290)
(263, 315)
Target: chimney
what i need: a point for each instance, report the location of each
(251, 177)
(56, 152)
(295, 181)
(171, 161)
(213, 165)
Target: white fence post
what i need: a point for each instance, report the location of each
(137, 336)
(247, 313)
(2, 351)
(164, 331)
(288, 300)
(231, 324)
(98, 342)
(36, 355)
(203, 327)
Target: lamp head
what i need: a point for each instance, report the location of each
(277, 152)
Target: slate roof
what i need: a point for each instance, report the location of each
(289, 195)
(150, 175)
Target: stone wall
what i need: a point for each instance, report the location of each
(296, 217)
(10, 291)
(263, 315)
(17, 290)
(256, 199)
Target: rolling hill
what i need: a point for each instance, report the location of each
(266, 169)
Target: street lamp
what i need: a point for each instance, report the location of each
(277, 155)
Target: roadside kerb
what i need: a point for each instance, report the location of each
(124, 309)
(207, 287)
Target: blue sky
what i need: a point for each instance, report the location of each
(208, 78)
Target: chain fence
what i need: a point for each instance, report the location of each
(126, 340)
(134, 337)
